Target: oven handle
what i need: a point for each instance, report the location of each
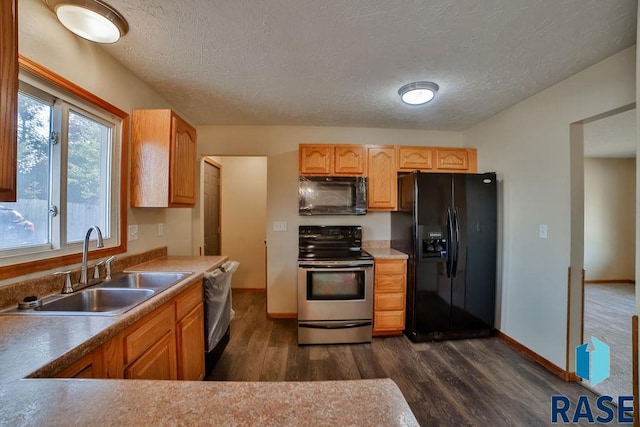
(334, 267)
(335, 325)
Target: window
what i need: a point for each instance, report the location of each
(69, 173)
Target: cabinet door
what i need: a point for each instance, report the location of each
(190, 340)
(143, 334)
(182, 174)
(415, 158)
(88, 366)
(456, 160)
(382, 178)
(315, 159)
(349, 160)
(8, 99)
(157, 363)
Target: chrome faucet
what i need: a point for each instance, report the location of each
(85, 252)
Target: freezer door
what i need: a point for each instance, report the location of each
(474, 261)
(432, 283)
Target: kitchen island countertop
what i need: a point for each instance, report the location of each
(190, 403)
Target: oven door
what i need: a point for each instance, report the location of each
(335, 291)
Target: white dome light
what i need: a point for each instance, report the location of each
(418, 93)
(90, 19)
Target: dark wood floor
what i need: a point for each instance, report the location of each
(481, 382)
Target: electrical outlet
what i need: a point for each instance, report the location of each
(279, 225)
(161, 229)
(133, 232)
(542, 233)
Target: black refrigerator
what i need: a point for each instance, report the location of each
(447, 224)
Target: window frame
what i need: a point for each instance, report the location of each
(56, 260)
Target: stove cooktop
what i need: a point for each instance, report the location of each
(335, 256)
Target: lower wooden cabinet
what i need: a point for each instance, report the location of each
(389, 290)
(166, 344)
(190, 333)
(156, 363)
(88, 366)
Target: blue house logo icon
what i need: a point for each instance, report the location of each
(593, 365)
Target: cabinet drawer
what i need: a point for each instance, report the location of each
(389, 301)
(389, 283)
(390, 266)
(145, 333)
(188, 299)
(388, 320)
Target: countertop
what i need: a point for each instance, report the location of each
(38, 346)
(190, 403)
(41, 345)
(386, 253)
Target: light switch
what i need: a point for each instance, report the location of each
(161, 229)
(133, 232)
(279, 225)
(543, 231)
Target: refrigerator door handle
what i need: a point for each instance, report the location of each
(454, 264)
(451, 250)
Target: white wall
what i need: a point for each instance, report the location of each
(528, 145)
(280, 145)
(609, 217)
(43, 39)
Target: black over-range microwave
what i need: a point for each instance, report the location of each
(332, 195)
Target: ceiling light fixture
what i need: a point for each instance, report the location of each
(418, 93)
(90, 19)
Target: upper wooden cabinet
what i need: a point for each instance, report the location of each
(415, 158)
(434, 159)
(318, 159)
(382, 185)
(8, 99)
(456, 160)
(163, 163)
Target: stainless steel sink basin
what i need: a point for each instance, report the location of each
(144, 280)
(107, 301)
(108, 298)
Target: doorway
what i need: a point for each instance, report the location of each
(578, 322)
(242, 215)
(211, 202)
(609, 242)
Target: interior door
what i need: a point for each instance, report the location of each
(211, 201)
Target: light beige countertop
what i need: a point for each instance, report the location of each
(39, 346)
(386, 253)
(189, 403)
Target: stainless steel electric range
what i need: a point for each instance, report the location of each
(335, 285)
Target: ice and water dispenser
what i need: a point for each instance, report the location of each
(434, 243)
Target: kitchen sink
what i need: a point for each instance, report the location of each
(144, 280)
(108, 298)
(100, 300)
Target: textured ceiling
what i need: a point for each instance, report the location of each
(340, 63)
(614, 136)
